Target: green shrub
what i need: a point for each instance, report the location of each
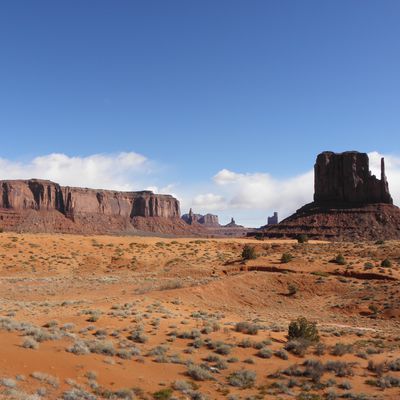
(286, 257)
(386, 263)
(340, 259)
(249, 252)
(303, 329)
(302, 238)
(163, 394)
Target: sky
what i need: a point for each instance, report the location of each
(224, 104)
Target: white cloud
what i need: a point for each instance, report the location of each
(249, 197)
(209, 202)
(392, 167)
(263, 192)
(122, 171)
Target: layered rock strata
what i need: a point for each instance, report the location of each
(48, 206)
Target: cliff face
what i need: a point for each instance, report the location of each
(20, 196)
(346, 178)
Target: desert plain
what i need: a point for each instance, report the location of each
(125, 317)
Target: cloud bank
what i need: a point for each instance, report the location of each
(249, 197)
(254, 196)
(122, 171)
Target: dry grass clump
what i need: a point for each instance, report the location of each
(199, 373)
(243, 379)
(247, 327)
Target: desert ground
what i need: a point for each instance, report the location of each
(118, 317)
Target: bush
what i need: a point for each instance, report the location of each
(340, 349)
(303, 329)
(298, 347)
(249, 252)
(386, 263)
(302, 238)
(199, 373)
(282, 354)
(163, 394)
(30, 343)
(247, 327)
(243, 379)
(340, 259)
(265, 352)
(292, 289)
(286, 257)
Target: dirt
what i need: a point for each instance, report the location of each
(186, 295)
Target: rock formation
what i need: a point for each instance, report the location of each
(349, 203)
(273, 220)
(208, 220)
(51, 207)
(233, 224)
(346, 178)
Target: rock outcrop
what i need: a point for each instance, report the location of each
(349, 203)
(345, 178)
(233, 224)
(47, 206)
(207, 220)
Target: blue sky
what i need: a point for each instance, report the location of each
(199, 87)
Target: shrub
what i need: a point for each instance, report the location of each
(292, 289)
(249, 252)
(282, 354)
(368, 265)
(302, 238)
(314, 370)
(265, 352)
(243, 379)
(298, 347)
(138, 336)
(30, 343)
(163, 394)
(102, 347)
(303, 329)
(79, 348)
(223, 349)
(340, 368)
(374, 309)
(386, 263)
(199, 373)
(395, 365)
(77, 393)
(247, 327)
(340, 259)
(340, 349)
(286, 257)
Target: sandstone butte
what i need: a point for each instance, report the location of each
(349, 203)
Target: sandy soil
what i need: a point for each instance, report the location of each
(85, 317)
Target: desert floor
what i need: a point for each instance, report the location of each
(85, 317)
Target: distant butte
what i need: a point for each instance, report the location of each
(349, 203)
